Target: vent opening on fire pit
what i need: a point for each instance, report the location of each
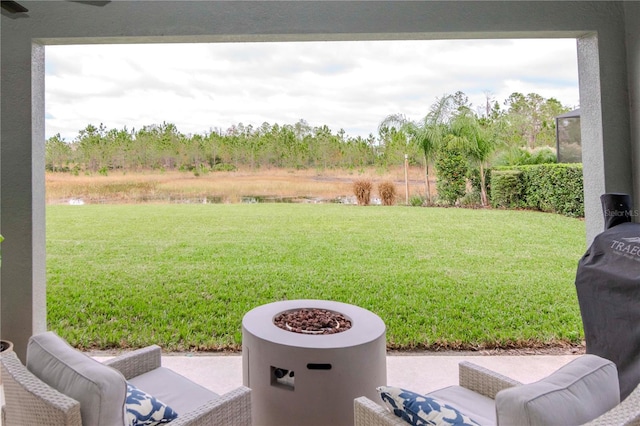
(312, 321)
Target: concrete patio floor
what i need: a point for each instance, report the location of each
(420, 372)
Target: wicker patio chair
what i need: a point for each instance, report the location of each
(489, 384)
(30, 401)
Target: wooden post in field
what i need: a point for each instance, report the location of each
(406, 179)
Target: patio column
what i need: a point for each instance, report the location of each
(22, 200)
(632, 16)
(604, 107)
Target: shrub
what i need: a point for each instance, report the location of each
(506, 188)
(387, 192)
(417, 201)
(522, 156)
(223, 167)
(362, 191)
(543, 156)
(451, 172)
(474, 188)
(200, 169)
(471, 199)
(556, 188)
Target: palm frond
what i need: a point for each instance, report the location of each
(441, 111)
(393, 120)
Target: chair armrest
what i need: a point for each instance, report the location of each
(135, 363)
(30, 401)
(626, 413)
(231, 409)
(368, 413)
(482, 380)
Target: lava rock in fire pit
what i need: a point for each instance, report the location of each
(312, 321)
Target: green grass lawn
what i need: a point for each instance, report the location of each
(182, 276)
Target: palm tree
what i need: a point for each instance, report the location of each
(428, 133)
(475, 140)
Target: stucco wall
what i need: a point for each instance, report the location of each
(603, 88)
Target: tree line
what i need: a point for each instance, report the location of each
(164, 147)
(452, 125)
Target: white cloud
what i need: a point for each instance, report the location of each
(350, 85)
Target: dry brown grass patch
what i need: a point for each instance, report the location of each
(387, 192)
(362, 191)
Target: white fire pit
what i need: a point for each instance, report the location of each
(302, 377)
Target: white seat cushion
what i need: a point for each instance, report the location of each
(175, 390)
(480, 408)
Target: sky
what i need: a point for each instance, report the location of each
(344, 85)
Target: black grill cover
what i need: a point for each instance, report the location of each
(608, 287)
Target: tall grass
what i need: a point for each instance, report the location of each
(362, 191)
(227, 187)
(183, 276)
(387, 191)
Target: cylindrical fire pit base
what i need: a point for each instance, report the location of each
(311, 379)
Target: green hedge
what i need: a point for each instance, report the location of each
(556, 188)
(506, 188)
